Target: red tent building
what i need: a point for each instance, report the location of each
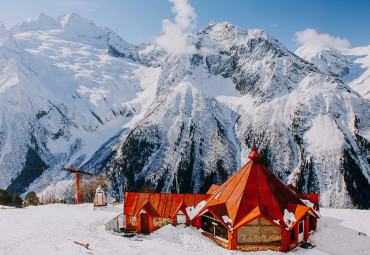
(253, 210)
(147, 212)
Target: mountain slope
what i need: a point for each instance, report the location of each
(183, 143)
(75, 93)
(305, 122)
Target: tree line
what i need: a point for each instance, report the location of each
(16, 200)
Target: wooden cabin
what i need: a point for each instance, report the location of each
(147, 212)
(253, 210)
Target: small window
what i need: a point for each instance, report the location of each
(180, 218)
(311, 223)
(213, 226)
(300, 227)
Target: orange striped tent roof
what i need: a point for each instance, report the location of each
(254, 191)
(160, 204)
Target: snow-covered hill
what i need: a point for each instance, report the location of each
(57, 226)
(75, 93)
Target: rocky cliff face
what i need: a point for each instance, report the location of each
(181, 122)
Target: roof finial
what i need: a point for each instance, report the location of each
(255, 156)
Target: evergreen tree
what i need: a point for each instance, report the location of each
(32, 199)
(147, 188)
(5, 197)
(17, 200)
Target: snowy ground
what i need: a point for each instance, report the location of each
(52, 229)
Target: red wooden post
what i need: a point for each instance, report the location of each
(305, 229)
(78, 196)
(197, 223)
(128, 224)
(77, 173)
(175, 221)
(231, 240)
(138, 223)
(285, 240)
(151, 226)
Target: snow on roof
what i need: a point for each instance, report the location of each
(226, 219)
(100, 188)
(193, 211)
(311, 205)
(289, 218)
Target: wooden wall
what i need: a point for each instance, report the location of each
(259, 231)
(160, 222)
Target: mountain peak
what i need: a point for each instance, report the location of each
(43, 17)
(227, 31)
(213, 25)
(72, 18)
(329, 60)
(75, 26)
(43, 22)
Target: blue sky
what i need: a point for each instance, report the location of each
(140, 21)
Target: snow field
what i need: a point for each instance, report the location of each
(53, 228)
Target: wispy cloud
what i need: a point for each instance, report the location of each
(68, 3)
(311, 38)
(175, 35)
(273, 25)
(76, 6)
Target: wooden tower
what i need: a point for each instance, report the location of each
(77, 173)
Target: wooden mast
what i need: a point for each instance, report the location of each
(77, 173)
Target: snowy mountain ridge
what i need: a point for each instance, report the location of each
(350, 65)
(79, 94)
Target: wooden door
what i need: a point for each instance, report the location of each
(144, 223)
(100, 198)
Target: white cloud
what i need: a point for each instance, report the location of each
(312, 39)
(72, 3)
(175, 35)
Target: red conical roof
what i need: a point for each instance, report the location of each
(255, 191)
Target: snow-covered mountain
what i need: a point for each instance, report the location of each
(64, 93)
(350, 65)
(75, 93)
